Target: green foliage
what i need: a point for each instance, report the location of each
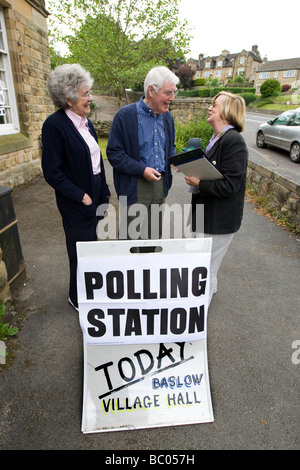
(249, 98)
(260, 103)
(5, 329)
(120, 41)
(270, 87)
(198, 128)
(238, 79)
(199, 82)
(205, 92)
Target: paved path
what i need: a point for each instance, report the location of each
(253, 322)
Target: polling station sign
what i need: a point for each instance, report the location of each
(145, 386)
(143, 318)
(127, 298)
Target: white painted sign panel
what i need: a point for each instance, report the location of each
(143, 318)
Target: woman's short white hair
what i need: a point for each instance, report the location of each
(157, 76)
(64, 83)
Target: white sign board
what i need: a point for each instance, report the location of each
(143, 318)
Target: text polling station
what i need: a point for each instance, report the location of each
(143, 317)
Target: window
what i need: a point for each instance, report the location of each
(9, 122)
(289, 73)
(284, 118)
(206, 74)
(276, 74)
(263, 75)
(207, 65)
(295, 121)
(229, 72)
(218, 73)
(241, 71)
(219, 63)
(242, 60)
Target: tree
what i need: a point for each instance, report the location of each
(118, 41)
(270, 87)
(185, 74)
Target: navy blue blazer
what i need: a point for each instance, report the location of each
(123, 151)
(223, 200)
(67, 167)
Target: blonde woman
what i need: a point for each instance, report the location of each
(223, 200)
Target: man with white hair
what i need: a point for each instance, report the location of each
(141, 140)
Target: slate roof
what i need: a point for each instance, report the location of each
(277, 65)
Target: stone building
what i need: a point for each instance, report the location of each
(24, 100)
(227, 66)
(286, 71)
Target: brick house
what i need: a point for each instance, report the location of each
(24, 100)
(286, 71)
(227, 66)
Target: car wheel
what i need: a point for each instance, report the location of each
(295, 152)
(260, 140)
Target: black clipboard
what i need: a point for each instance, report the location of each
(194, 163)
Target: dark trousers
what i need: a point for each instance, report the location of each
(85, 232)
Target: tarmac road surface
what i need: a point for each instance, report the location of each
(253, 329)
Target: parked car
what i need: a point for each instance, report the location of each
(282, 132)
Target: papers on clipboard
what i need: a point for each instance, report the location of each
(194, 163)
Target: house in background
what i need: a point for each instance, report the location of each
(227, 66)
(286, 71)
(24, 100)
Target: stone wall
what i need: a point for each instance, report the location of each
(20, 154)
(283, 194)
(182, 109)
(189, 109)
(102, 128)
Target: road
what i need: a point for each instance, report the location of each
(277, 156)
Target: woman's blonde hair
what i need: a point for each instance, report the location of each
(233, 110)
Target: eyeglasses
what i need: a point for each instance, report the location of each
(87, 94)
(168, 93)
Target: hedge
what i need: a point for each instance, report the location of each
(210, 92)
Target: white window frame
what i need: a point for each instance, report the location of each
(263, 75)
(207, 65)
(242, 60)
(229, 72)
(276, 74)
(7, 92)
(220, 63)
(289, 73)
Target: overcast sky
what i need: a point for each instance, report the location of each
(237, 25)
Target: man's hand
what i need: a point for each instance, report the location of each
(151, 175)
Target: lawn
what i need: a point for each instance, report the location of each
(103, 144)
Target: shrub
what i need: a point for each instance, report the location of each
(198, 128)
(205, 92)
(249, 98)
(199, 82)
(285, 88)
(270, 87)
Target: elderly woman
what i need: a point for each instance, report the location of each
(71, 160)
(223, 199)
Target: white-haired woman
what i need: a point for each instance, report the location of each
(71, 160)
